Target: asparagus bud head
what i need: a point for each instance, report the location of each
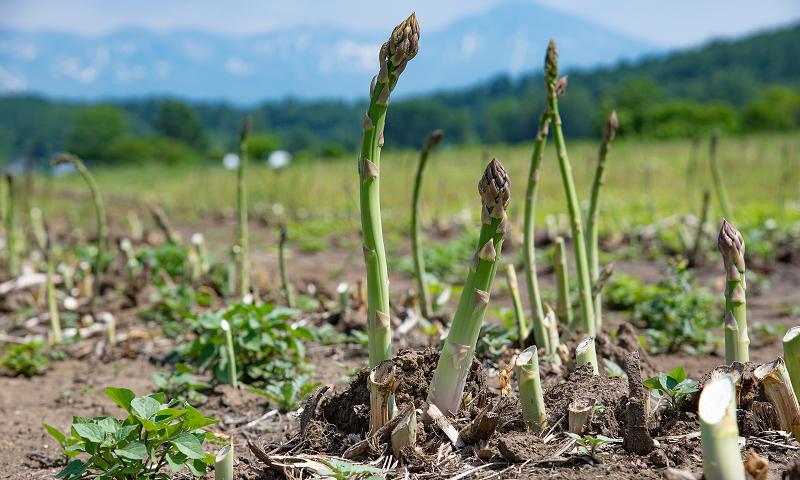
(495, 189)
(551, 62)
(611, 126)
(247, 124)
(731, 245)
(433, 139)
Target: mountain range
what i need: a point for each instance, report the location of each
(318, 62)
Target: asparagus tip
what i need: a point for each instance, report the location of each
(610, 129)
(494, 188)
(433, 139)
(403, 44)
(731, 244)
(247, 123)
(551, 62)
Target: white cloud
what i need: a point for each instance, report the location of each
(10, 82)
(196, 50)
(163, 69)
(22, 50)
(469, 44)
(85, 72)
(127, 73)
(237, 66)
(520, 51)
(350, 55)
(126, 48)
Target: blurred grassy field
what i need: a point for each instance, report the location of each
(645, 180)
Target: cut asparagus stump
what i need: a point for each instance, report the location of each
(731, 245)
(791, 352)
(529, 237)
(447, 386)
(530, 390)
(381, 384)
(423, 296)
(580, 411)
(223, 465)
(778, 387)
(229, 352)
(395, 54)
(585, 353)
(405, 433)
(555, 89)
(593, 215)
(563, 304)
(519, 312)
(719, 433)
(554, 342)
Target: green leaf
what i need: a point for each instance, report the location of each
(145, 407)
(108, 424)
(652, 383)
(124, 432)
(74, 469)
(55, 433)
(176, 461)
(679, 374)
(121, 396)
(189, 445)
(133, 450)
(90, 432)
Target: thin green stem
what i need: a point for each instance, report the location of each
(241, 197)
(716, 173)
(519, 312)
(288, 291)
(11, 229)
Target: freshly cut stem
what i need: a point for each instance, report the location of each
(241, 202)
(381, 384)
(395, 54)
(563, 303)
(791, 352)
(593, 216)
(447, 386)
(288, 291)
(731, 245)
(553, 342)
(201, 253)
(529, 237)
(731, 340)
(11, 229)
(519, 312)
(716, 173)
(554, 88)
(100, 213)
(778, 387)
(226, 327)
(579, 413)
(719, 432)
(530, 390)
(585, 353)
(223, 465)
(405, 433)
(423, 295)
(52, 303)
(343, 289)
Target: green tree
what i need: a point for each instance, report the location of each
(777, 109)
(260, 145)
(93, 129)
(178, 121)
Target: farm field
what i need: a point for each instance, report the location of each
(623, 306)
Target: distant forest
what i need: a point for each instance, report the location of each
(746, 85)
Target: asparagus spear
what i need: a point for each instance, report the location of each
(423, 295)
(719, 432)
(529, 237)
(731, 245)
(592, 218)
(395, 54)
(563, 303)
(11, 229)
(716, 172)
(288, 291)
(556, 88)
(447, 386)
(241, 201)
(100, 212)
(519, 312)
(530, 390)
(791, 352)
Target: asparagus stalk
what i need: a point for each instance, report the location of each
(585, 353)
(731, 339)
(791, 352)
(592, 218)
(423, 296)
(288, 291)
(556, 88)
(395, 54)
(11, 229)
(719, 434)
(100, 212)
(778, 388)
(226, 327)
(553, 342)
(530, 390)
(716, 173)
(223, 465)
(37, 225)
(563, 303)
(519, 312)
(52, 304)
(694, 256)
(529, 237)
(447, 386)
(731, 245)
(241, 201)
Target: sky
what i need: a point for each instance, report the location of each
(666, 23)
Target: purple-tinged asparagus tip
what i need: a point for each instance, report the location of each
(611, 126)
(731, 245)
(495, 189)
(433, 139)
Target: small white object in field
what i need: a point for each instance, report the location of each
(279, 159)
(230, 161)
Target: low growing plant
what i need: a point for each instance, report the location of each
(287, 394)
(588, 444)
(26, 359)
(154, 435)
(181, 384)
(672, 386)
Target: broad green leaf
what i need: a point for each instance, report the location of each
(90, 432)
(176, 461)
(134, 451)
(124, 432)
(121, 396)
(189, 445)
(108, 424)
(679, 374)
(652, 383)
(55, 433)
(74, 469)
(197, 467)
(145, 407)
